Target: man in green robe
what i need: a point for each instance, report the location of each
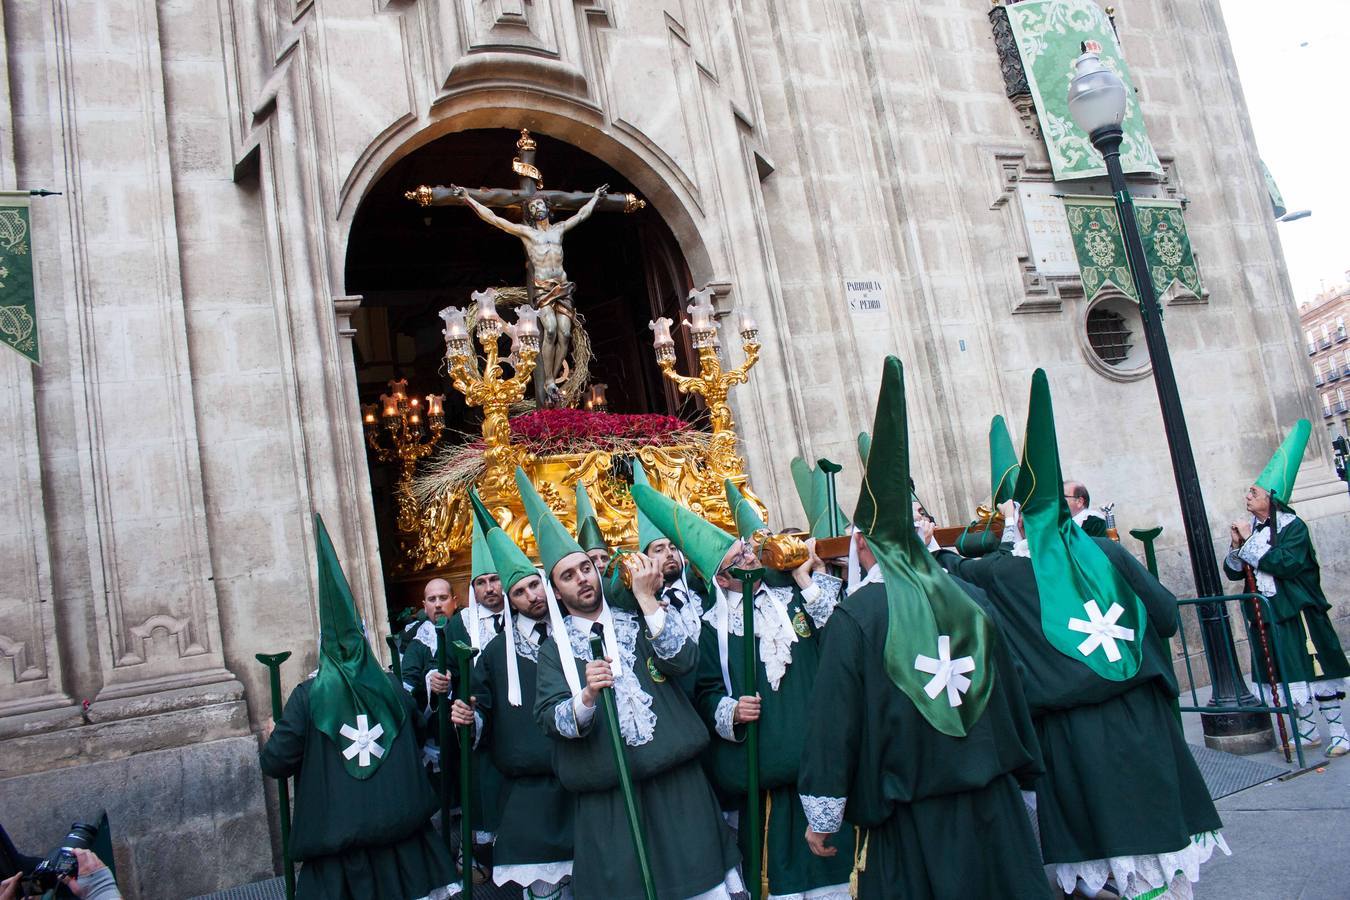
(1122, 798)
(1275, 548)
(419, 647)
(362, 822)
(691, 850)
(477, 624)
(788, 622)
(485, 610)
(682, 594)
(1085, 515)
(589, 535)
(533, 847)
(917, 732)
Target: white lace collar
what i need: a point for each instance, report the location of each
(773, 625)
(637, 721)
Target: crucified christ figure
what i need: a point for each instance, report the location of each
(551, 290)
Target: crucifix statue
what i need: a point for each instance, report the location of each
(549, 289)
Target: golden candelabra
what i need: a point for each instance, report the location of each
(414, 428)
(713, 383)
(490, 388)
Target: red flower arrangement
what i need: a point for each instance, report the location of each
(579, 430)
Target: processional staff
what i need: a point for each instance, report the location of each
(630, 798)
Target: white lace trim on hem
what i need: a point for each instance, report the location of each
(829, 892)
(528, 873)
(731, 886)
(1136, 875)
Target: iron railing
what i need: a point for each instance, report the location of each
(1267, 617)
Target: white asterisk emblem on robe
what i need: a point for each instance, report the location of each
(948, 674)
(1101, 630)
(363, 739)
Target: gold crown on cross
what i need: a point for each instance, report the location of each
(526, 142)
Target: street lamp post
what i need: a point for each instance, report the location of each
(1097, 104)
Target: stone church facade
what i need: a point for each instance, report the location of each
(198, 399)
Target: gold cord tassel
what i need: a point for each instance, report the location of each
(1309, 645)
(859, 861)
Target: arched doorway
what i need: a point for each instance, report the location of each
(408, 262)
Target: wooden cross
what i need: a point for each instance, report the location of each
(531, 185)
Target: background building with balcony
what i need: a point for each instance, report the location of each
(1328, 344)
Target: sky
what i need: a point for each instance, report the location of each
(1290, 58)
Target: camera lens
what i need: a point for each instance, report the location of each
(81, 836)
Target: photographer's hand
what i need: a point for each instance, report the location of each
(89, 864)
(9, 888)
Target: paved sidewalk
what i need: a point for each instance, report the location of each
(1288, 837)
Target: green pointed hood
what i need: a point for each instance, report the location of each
(589, 535)
(747, 520)
(646, 529)
(550, 536)
(928, 612)
(701, 542)
(1078, 585)
(480, 560)
(1278, 475)
(1003, 467)
(352, 701)
(801, 480)
(509, 562)
(864, 446)
(1003, 472)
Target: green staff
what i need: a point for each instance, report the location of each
(630, 799)
(273, 662)
(831, 493)
(1147, 536)
(463, 659)
(443, 742)
(754, 835)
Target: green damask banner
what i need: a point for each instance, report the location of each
(18, 308)
(1097, 243)
(1049, 34)
(1100, 248)
(1168, 247)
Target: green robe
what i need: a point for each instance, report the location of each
(485, 806)
(942, 817)
(365, 839)
(418, 661)
(1093, 525)
(1120, 780)
(1297, 602)
(534, 822)
(792, 868)
(690, 847)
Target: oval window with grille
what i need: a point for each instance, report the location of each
(1113, 338)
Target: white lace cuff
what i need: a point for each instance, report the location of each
(1233, 561)
(477, 728)
(431, 696)
(668, 636)
(821, 597)
(1253, 549)
(825, 815)
(565, 718)
(723, 719)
